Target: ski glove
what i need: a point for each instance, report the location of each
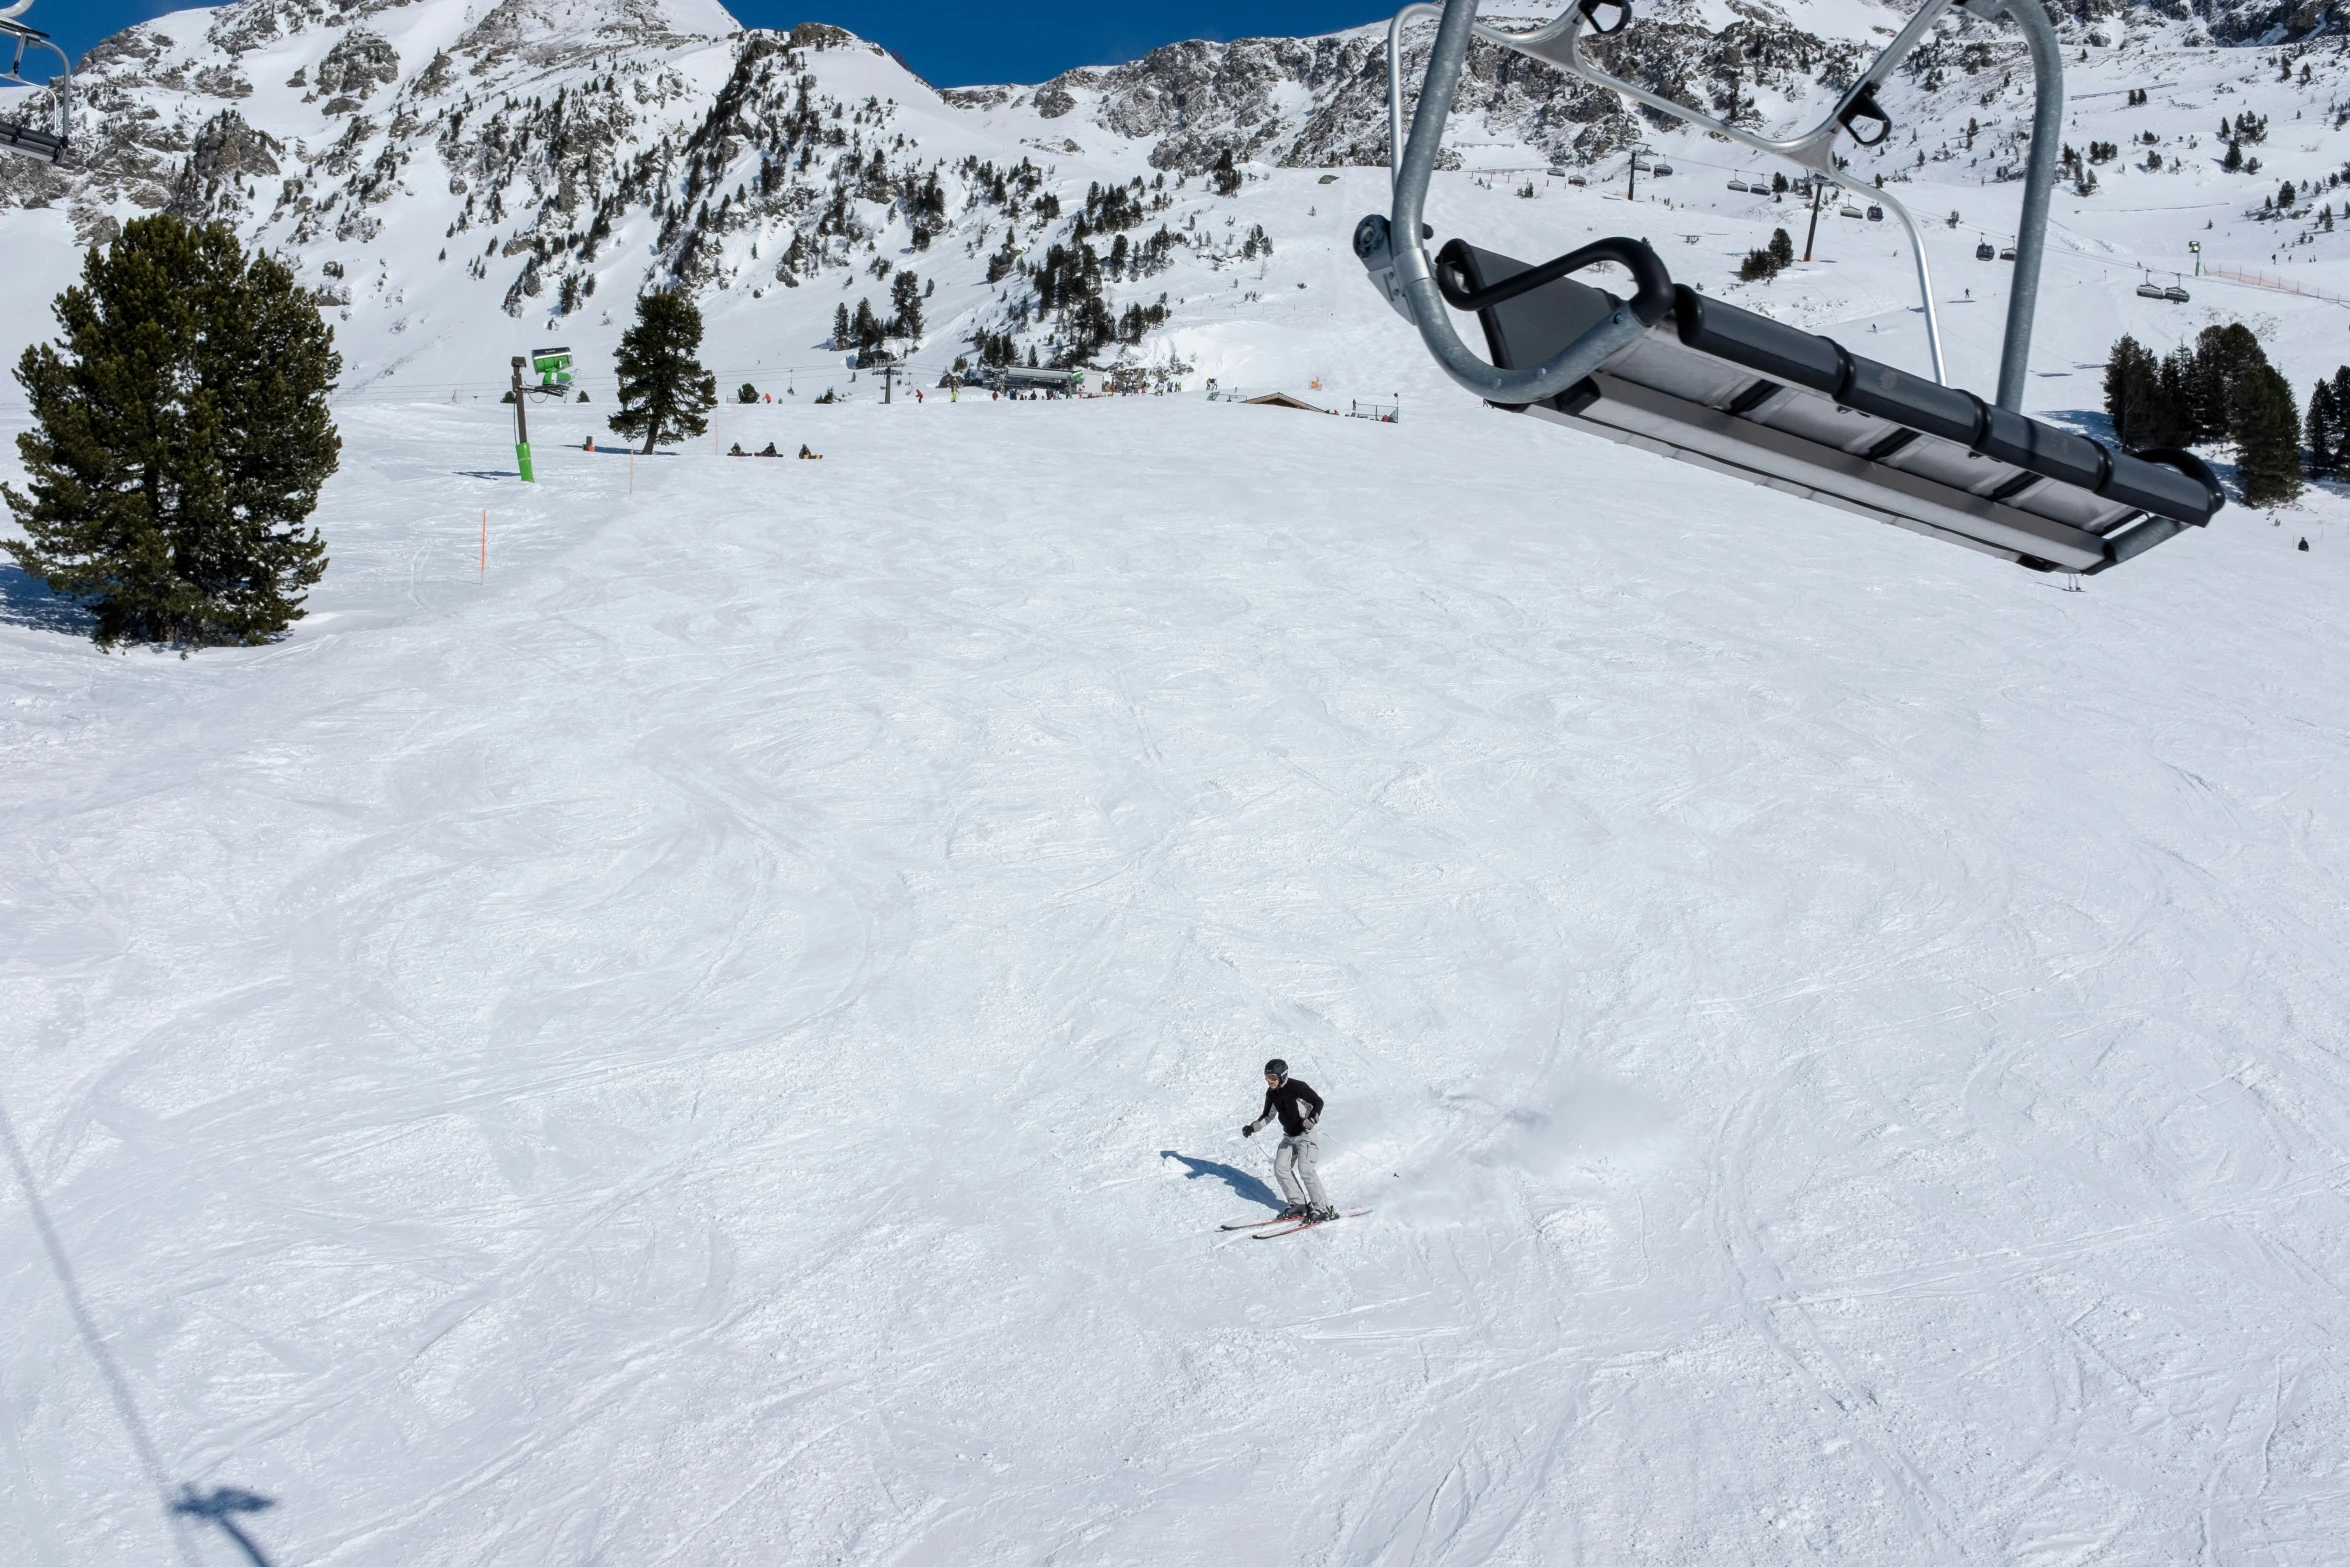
(1249, 1130)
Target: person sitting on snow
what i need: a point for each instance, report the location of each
(809, 456)
(737, 450)
(771, 451)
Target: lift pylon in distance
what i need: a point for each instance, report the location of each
(1672, 372)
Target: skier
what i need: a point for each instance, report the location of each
(1300, 1109)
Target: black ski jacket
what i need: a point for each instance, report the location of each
(1296, 1104)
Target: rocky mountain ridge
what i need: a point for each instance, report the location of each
(568, 147)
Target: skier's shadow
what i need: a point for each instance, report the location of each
(1242, 1183)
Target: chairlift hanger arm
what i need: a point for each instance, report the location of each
(24, 139)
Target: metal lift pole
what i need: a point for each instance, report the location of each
(2015, 350)
(521, 425)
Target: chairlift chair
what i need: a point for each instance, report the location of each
(1848, 211)
(2150, 290)
(32, 141)
(2175, 294)
(1673, 372)
(1739, 186)
(1984, 252)
(1876, 213)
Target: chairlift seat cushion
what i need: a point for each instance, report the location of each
(1757, 342)
(2160, 489)
(1912, 401)
(2036, 448)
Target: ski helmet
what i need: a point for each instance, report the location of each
(1277, 1068)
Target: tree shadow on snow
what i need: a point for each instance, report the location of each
(26, 601)
(1242, 1183)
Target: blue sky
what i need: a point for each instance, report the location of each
(952, 45)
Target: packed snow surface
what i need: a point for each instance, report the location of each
(719, 1036)
(722, 1038)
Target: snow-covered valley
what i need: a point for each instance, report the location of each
(721, 1037)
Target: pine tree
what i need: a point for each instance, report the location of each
(2133, 387)
(1226, 177)
(179, 441)
(840, 324)
(2321, 430)
(1782, 250)
(2225, 357)
(664, 391)
(2267, 431)
(905, 293)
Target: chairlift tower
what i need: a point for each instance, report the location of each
(31, 141)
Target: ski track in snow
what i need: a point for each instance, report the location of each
(672, 1052)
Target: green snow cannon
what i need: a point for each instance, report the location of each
(553, 368)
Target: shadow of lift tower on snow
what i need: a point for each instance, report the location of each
(218, 1505)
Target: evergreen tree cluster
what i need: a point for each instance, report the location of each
(1760, 266)
(2223, 389)
(2328, 426)
(1226, 179)
(179, 441)
(869, 330)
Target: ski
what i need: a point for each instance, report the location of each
(1254, 1224)
(1292, 1227)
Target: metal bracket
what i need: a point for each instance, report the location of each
(1558, 44)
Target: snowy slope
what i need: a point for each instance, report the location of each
(721, 1038)
(722, 1041)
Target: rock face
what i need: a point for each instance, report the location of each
(225, 152)
(522, 153)
(355, 67)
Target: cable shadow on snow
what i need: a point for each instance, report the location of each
(1242, 1183)
(26, 601)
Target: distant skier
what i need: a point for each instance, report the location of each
(1300, 1109)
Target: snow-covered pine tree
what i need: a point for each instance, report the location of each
(664, 391)
(179, 441)
(905, 296)
(2266, 428)
(2322, 428)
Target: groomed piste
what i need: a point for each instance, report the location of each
(722, 1039)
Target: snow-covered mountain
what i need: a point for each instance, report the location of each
(442, 170)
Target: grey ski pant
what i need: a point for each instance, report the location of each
(1293, 1167)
